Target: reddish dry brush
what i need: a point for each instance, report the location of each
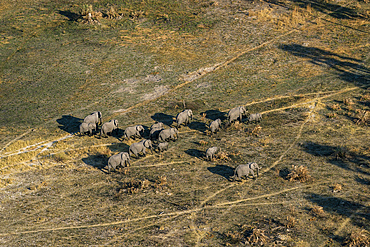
(258, 236)
(318, 211)
(135, 186)
(336, 188)
(363, 117)
(299, 173)
(358, 239)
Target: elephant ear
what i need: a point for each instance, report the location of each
(99, 114)
(116, 122)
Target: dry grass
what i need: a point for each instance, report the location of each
(203, 143)
(112, 14)
(257, 237)
(332, 115)
(348, 101)
(61, 157)
(129, 207)
(5, 182)
(234, 237)
(290, 221)
(255, 131)
(337, 188)
(89, 16)
(341, 153)
(221, 155)
(358, 239)
(299, 173)
(363, 117)
(161, 182)
(318, 211)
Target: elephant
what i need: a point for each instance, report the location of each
(155, 130)
(168, 134)
(256, 117)
(108, 127)
(157, 125)
(140, 147)
(87, 127)
(215, 125)
(211, 152)
(245, 170)
(134, 131)
(121, 159)
(94, 118)
(236, 113)
(183, 117)
(162, 146)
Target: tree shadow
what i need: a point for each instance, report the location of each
(339, 156)
(362, 180)
(222, 170)
(329, 8)
(70, 15)
(318, 149)
(195, 153)
(69, 124)
(348, 69)
(359, 213)
(164, 118)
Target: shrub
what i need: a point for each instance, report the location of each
(358, 239)
(299, 173)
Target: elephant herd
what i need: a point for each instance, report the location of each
(160, 135)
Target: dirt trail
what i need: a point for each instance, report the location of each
(176, 213)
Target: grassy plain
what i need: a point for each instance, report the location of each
(303, 64)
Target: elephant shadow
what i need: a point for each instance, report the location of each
(98, 161)
(195, 153)
(146, 133)
(215, 114)
(118, 133)
(69, 123)
(200, 126)
(222, 170)
(164, 118)
(119, 147)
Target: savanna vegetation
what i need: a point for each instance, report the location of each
(304, 65)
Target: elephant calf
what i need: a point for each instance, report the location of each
(121, 159)
(140, 147)
(245, 170)
(162, 146)
(133, 131)
(155, 130)
(255, 117)
(87, 127)
(168, 134)
(211, 152)
(215, 126)
(108, 127)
